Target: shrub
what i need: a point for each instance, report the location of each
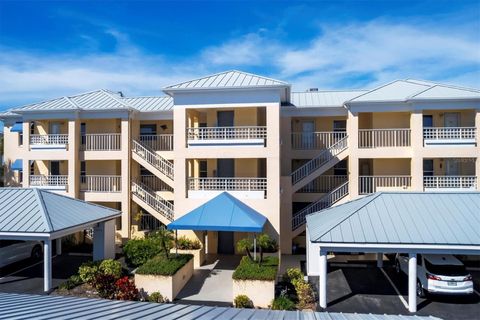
(283, 303)
(306, 297)
(111, 267)
(184, 243)
(157, 297)
(292, 274)
(162, 266)
(88, 271)
(138, 251)
(105, 285)
(71, 283)
(242, 301)
(126, 289)
(245, 245)
(252, 270)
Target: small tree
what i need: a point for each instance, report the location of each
(165, 239)
(264, 242)
(245, 245)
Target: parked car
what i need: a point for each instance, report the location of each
(439, 274)
(13, 250)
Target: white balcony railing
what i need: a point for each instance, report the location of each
(449, 133)
(227, 184)
(98, 183)
(371, 184)
(49, 139)
(379, 138)
(101, 142)
(323, 184)
(159, 142)
(450, 182)
(315, 140)
(227, 133)
(48, 181)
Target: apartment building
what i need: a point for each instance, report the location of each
(284, 154)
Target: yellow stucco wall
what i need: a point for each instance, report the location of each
(322, 124)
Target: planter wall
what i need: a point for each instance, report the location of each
(168, 286)
(260, 292)
(198, 256)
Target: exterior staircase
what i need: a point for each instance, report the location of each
(153, 162)
(318, 165)
(148, 199)
(326, 201)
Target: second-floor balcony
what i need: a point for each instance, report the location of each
(449, 183)
(382, 138)
(159, 142)
(372, 184)
(235, 136)
(437, 136)
(48, 141)
(52, 182)
(316, 140)
(254, 188)
(101, 142)
(100, 183)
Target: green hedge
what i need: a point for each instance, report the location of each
(250, 270)
(162, 266)
(138, 251)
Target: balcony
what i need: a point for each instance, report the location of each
(323, 184)
(101, 142)
(50, 182)
(315, 140)
(372, 184)
(449, 183)
(247, 188)
(100, 183)
(48, 141)
(227, 136)
(441, 136)
(383, 138)
(159, 142)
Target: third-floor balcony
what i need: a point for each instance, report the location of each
(437, 136)
(449, 183)
(100, 183)
(237, 136)
(382, 138)
(101, 142)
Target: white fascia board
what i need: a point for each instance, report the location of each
(105, 114)
(46, 115)
(23, 236)
(154, 115)
(188, 90)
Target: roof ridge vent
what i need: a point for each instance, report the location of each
(312, 90)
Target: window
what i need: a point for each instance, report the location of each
(446, 269)
(203, 169)
(427, 121)
(339, 125)
(32, 127)
(428, 167)
(148, 129)
(54, 168)
(20, 139)
(83, 132)
(83, 168)
(32, 168)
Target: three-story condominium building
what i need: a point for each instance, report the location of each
(284, 154)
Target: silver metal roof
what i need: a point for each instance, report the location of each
(406, 90)
(150, 104)
(228, 79)
(38, 211)
(323, 98)
(24, 306)
(401, 218)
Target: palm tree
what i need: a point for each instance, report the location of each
(245, 245)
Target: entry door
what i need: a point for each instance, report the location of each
(54, 168)
(225, 118)
(452, 119)
(225, 242)
(54, 128)
(225, 168)
(308, 127)
(452, 167)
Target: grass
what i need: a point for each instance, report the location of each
(161, 266)
(253, 270)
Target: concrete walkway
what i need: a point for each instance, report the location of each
(211, 285)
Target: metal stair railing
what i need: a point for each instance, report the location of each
(322, 158)
(324, 202)
(155, 201)
(154, 159)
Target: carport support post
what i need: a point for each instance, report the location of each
(254, 247)
(380, 260)
(322, 281)
(47, 265)
(58, 246)
(412, 282)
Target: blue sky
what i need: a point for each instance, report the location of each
(49, 49)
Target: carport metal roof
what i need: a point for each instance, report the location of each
(63, 307)
(29, 213)
(222, 213)
(401, 219)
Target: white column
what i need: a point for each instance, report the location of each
(104, 240)
(47, 265)
(412, 282)
(380, 260)
(58, 246)
(353, 169)
(322, 281)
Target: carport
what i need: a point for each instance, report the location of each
(394, 222)
(31, 214)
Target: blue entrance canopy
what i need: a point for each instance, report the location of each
(17, 165)
(222, 213)
(17, 127)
